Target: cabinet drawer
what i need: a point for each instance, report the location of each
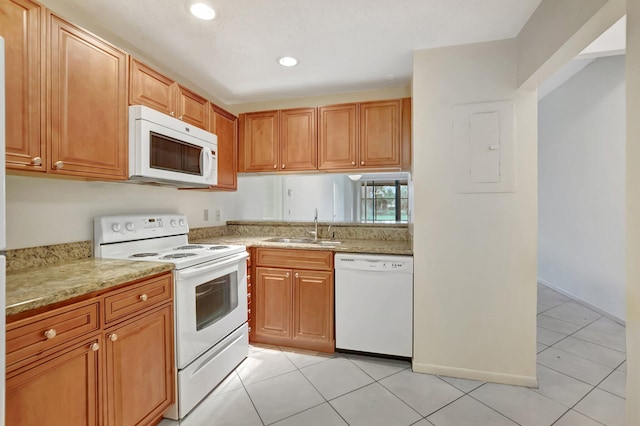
(138, 297)
(295, 259)
(36, 334)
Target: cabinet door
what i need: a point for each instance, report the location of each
(192, 108)
(225, 125)
(338, 137)
(260, 143)
(62, 390)
(150, 88)
(380, 134)
(21, 26)
(140, 368)
(313, 310)
(88, 104)
(272, 300)
(298, 139)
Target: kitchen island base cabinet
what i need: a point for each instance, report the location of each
(293, 299)
(60, 390)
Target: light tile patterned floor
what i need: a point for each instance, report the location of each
(581, 374)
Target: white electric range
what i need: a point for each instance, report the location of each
(211, 331)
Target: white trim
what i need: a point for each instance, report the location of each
(582, 302)
(485, 376)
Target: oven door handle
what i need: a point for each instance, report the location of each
(207, 291)
(213, 265)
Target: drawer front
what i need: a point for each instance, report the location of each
(295, 259)
(38, 333)
(137, 298)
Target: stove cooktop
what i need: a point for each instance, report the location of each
(154, 238)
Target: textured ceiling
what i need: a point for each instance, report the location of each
(342, 45)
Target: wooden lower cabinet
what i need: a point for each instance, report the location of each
(139, 368)
(313, 306)
(293, 306)
(62, 389)
(120, 373)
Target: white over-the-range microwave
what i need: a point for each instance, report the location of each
(167, 151)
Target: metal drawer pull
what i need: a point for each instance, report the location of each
(113, 337)
(144, 297)
(59, 165)
(36, 161)
(51, 333)
(94, 346)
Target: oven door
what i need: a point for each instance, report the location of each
(211, 302)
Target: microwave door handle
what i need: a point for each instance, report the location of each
(207, 161)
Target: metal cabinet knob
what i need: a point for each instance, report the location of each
(36, 161)
(362, 163)
(58, 165)
(51, 333)
(172, 113)
(286, 275)
(180, 118)
(297, 275)
(283, 166)
(275, 166)
(353, 163)
(143, 297)
(94, 346)
(113, 337)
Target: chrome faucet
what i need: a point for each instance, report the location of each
(315, 221)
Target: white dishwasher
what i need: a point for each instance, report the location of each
(374, 303)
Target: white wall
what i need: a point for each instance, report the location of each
(581, 176)
(52, 211)
(475, 254)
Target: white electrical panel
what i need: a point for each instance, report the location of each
(484, 147)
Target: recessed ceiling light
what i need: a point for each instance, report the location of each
(288, 61)
(202, 11)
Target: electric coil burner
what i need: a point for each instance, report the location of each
(210, 288)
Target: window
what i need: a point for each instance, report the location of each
(384, 201)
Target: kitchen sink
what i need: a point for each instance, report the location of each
(303, 241)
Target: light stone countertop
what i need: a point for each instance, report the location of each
(346, 246)
(35, 287)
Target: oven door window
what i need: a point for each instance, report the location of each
(215, 299)
(174, 155)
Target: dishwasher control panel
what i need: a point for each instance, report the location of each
(381, 263)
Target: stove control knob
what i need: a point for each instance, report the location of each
(181, 222)
(116, 227)
(173, 223)
(130, 226)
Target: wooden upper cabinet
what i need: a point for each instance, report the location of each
(87, 104)
(22, 27)
(260, 145)
(298, 139)
(278, 140)
(150, 88)
(380, 134)
(192, 108)
(338, 137)
(225, 126)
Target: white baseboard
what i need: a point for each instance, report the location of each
(484, 376)
(582, 302)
